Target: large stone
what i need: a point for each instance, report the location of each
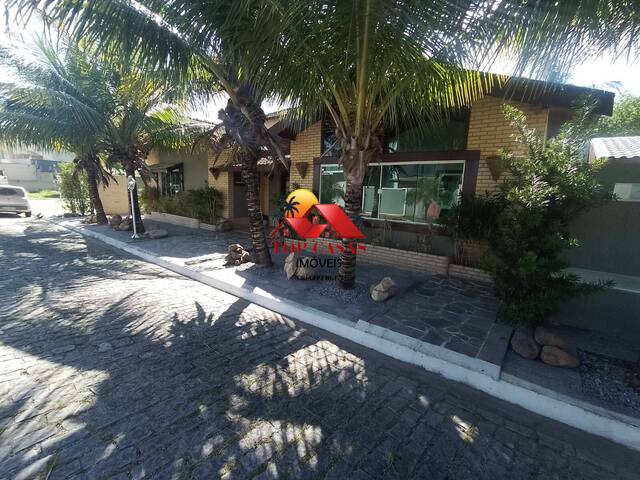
(304, 270)
(523, 343)
(290, 265)
(155, 234)
(245, 258)
(115, 220)
(544, 336)
(125, 225)
(557, 357)
(383, 290)
(89, 220)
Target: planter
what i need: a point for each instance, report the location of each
(469, 273)
(174, 219)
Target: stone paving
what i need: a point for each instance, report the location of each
(456, 314)
(113, 368)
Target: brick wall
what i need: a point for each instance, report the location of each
(490, 132)
(306, 147)
(389, 256)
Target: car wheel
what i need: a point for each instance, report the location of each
(27, 214)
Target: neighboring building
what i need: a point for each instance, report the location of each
(31, 170)
(609, 236)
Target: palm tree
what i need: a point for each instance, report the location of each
(291, 207)
(180, 40)
(58, 104)
(372, 66)
(142, 121)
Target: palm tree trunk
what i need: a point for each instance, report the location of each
(94, 194)
(352, 206)
(251, 178)
(135, 208)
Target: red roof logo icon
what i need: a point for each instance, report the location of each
(334, 216)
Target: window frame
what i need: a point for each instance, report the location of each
(469, 158)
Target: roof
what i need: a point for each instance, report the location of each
(553, 94)
(616, 147)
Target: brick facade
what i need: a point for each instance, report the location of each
(306, 147)
(490, 132)
(404, 259)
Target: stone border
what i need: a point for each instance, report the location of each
(587, 417)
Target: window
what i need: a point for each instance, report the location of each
(171, 180)
(11, 192)
(410, 192)
(627, 192)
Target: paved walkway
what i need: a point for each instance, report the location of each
(112, 368)
(455, 314)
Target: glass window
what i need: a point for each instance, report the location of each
(171, 181)
(332, 185)
(417, 192)
(627, 192)
(11, 192)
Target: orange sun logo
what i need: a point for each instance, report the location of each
(299, 202)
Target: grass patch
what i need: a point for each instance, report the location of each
(44, 194)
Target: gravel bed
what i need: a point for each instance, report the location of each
(329, 288)
(615, 381)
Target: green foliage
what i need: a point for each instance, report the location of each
(44, 194)
(470, 224)
(624, 122)
(73, 187)
(549, 185)
(202, 203)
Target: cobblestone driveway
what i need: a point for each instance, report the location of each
(112, 368)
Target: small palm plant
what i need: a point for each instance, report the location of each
(291, 207)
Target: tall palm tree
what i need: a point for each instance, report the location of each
(373, 65)
(180, 39)
(143, 120)
(58, 103)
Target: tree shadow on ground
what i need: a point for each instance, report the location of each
(141, 375)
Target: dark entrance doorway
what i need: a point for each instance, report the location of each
(240, 209)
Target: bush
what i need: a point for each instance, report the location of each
(202, 203)
(73, 188)
(470, 223)
(548, 186)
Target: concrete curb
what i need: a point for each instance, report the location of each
(388, 343)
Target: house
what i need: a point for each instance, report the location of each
(30, 169)
(398, 197)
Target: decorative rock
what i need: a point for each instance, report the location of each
(223, 226)
(125, 225)
(304, 272)
(290, 265)
(557, 357)
(155, 234)
(237, 255)
(524, 344)
(383, 290)
(544, 336)
(115, 220)
(89, 220)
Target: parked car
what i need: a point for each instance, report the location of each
(14, 200)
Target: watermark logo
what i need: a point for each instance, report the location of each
(311, 220)
(306, 221)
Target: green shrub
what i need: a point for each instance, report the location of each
(470, 223)
(202, 203)
(73, 188)
(547, 187)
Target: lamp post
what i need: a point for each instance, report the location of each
(131, 185)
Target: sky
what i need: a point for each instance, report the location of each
(617, 75)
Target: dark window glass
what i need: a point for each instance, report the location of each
(11, 192)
